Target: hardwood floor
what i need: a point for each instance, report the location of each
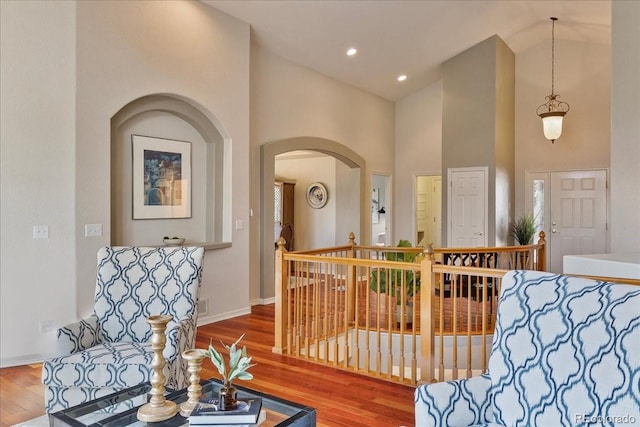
(340, 398)
(21, 394)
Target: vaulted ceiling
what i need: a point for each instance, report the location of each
(407, 37)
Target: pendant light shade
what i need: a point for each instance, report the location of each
(553, 111)
(552, 124)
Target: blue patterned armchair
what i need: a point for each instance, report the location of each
(566, 352)
(111, 350)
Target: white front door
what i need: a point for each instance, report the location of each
(467, 207)
(571, 208)
(578, 215)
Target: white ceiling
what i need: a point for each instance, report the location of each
(407, 37)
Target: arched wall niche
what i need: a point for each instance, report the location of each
(268, 153)
(172, 117)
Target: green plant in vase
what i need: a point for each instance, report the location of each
(523, 229)
(239, 363)
(389, 281)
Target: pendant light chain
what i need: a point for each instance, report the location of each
(553, 54)
(552, 111)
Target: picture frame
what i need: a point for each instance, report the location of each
(161, 178)
(317, 195)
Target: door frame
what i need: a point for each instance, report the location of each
(414, 203)
(450, 171)
(387, 204)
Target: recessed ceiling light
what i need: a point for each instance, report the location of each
(402, 77)
(352, 51)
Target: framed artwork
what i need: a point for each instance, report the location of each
(375, 206)
(161, 178)
(317, 195)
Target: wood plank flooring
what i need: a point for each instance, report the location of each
(340, 398)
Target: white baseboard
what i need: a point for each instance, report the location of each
(205, 320)
(28, 359)
(263, 301)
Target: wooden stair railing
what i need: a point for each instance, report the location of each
(327, 312)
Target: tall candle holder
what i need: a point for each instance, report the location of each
(158, 408)
(194, 358)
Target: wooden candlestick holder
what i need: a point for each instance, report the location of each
(194, 358)
(158, 408)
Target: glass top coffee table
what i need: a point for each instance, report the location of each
(121, 408)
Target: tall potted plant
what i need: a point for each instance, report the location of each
(523, 229)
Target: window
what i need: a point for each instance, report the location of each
(277, 210)
(538, 204)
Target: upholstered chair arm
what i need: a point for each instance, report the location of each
(181, 336)
(454, 403)
(78, 336)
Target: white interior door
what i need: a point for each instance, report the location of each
(423, 208)
(436, 201)
(578, 215)
(467, 207)
(428, 210)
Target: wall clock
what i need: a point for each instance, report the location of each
(317, 195)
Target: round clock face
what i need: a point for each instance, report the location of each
(317, 195)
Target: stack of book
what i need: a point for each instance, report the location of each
(247, 413)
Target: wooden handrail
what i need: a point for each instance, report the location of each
(325, 302)
(332, 307)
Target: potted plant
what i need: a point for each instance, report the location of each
(389, 281)
(523, 229)
(239, 363)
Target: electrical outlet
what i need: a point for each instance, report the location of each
(92, 230)
(239, 224)
(203, 306)
(40, 231)
(46, 326)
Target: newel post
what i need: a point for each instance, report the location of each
(542, 254)
(351, 280)
(281, 281)
(427, 332)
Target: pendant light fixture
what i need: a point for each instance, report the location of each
(552, 112)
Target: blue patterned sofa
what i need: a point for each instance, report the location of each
(111, 349)
(566, 352)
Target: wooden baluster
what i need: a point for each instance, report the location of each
(485, 301)
(307, 314)
(317, 318)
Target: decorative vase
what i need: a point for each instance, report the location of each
(158, 408)
(227, 397)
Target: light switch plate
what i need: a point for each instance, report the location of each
(92, 230)
(40, 231)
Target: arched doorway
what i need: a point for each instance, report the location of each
(268, 152)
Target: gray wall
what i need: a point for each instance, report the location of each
(478, 100)
(505, 141)
(625, 128)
